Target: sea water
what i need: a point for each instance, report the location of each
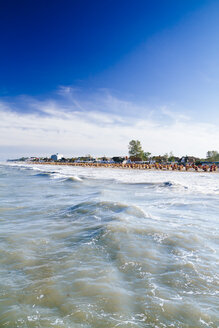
(100, 247)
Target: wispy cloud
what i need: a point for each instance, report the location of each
(74, 126)
(177, 117)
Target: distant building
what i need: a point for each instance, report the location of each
(127, 161)
(187, 159)
(56, 157)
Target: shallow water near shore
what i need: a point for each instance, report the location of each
(97, 247)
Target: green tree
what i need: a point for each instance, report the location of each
(158, 159)
(212, 155)
(171, 157)
(146, 156)
(135, 149)
(118, 159)
(165, 157)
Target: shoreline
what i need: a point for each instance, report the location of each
(145, 167)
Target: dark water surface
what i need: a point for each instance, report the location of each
(95, 247)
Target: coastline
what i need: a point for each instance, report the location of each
(146, 167)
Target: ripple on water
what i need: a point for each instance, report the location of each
(98, 254)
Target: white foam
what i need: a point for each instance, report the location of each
(183, 182)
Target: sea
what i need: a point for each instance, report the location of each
(100, 247)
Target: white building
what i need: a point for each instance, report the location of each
(56, 157)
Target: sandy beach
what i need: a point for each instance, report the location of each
(152, 167)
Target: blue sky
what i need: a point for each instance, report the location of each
(123, 69)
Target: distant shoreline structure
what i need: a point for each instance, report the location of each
(155, 166)
(137, 159)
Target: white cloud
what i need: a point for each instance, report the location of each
(54, 125)
(173, 115)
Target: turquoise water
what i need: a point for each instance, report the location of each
(95, 247)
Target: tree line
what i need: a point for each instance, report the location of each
(136, 153)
